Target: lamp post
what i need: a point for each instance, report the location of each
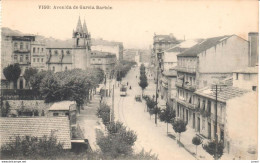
(216, 88)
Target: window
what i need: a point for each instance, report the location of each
(21, 58)
(27, 46)
(53, 69)
(50, 51)
(15, 57)
(38, 50)
(33, 59)
(27, 57)
(68, 52)
(15, 45)
(34, 50)
(38, 59)
(66, 68)
(254, 88)
(236, 76)
(42, 49)
(42, 59)
(55, 114)
(55, 52)
(21, 45)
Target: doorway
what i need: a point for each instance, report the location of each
(21, 83)
(209, 130)
(193, 122)
(198, 123)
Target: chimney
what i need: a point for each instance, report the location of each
(253, 39)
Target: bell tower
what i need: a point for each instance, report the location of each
(81, 36)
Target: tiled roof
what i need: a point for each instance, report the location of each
(184, 45)
(203, 45)
(226, 93)
(40, 126)
(62, 105)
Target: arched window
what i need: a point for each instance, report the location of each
(53, 68)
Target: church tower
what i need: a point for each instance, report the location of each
(81, 46)
(81, 36)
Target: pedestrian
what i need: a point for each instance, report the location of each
(130, 87)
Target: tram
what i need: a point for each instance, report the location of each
(123, 90)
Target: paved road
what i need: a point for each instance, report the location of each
(134, 116)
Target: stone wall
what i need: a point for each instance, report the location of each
(39, 105)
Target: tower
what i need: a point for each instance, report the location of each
(81, 47)
(82, 39)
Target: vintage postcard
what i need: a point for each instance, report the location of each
(129, 80)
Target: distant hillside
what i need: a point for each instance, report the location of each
(51, 42)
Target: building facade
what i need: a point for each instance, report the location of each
(38, 56)
(103, 60)
(211, 60)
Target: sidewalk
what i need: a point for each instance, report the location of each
(89, 122)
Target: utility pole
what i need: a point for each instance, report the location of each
(215, 88)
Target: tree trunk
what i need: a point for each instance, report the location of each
(196, 149)
(179, 139)
(167, 128)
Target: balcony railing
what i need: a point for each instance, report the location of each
(185, 103)
(21, 50)
(186, 86)
(186, 69)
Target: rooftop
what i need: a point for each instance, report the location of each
(226, 93)
(38, 127)
(203, 45)
(62, 105)
(99, 54)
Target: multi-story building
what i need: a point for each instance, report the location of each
(209, 61)
(17, 49)
(38, 56)
(108, 46)
(235, 115)
(103, 60)
(129, 54)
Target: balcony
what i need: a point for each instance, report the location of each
(185, 86)
(22, 51)
(186, 69)
(185, 103)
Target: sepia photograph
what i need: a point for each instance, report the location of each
(129, 80)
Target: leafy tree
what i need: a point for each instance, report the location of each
(151, 103)
(211, 149)
(179, 126)
(167, 115)
(36, 80)
(29, 73)
(12, 73)
(143, 83)
(5, 108)
(196, 141)
(103, 112)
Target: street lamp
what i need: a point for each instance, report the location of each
(215, 88)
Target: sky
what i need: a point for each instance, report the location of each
(134, 22)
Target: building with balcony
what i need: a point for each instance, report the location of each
(211, 60)
(236, 118)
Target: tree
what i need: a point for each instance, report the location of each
(179, 126)
(37, 78)
(29, 73)
(196, 141)
(143, 83)
(5, 108)
(211, 149)
(151, 103)
(103, 112)
(167, 115)
(12, 73)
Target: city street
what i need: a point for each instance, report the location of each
(133, 114)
